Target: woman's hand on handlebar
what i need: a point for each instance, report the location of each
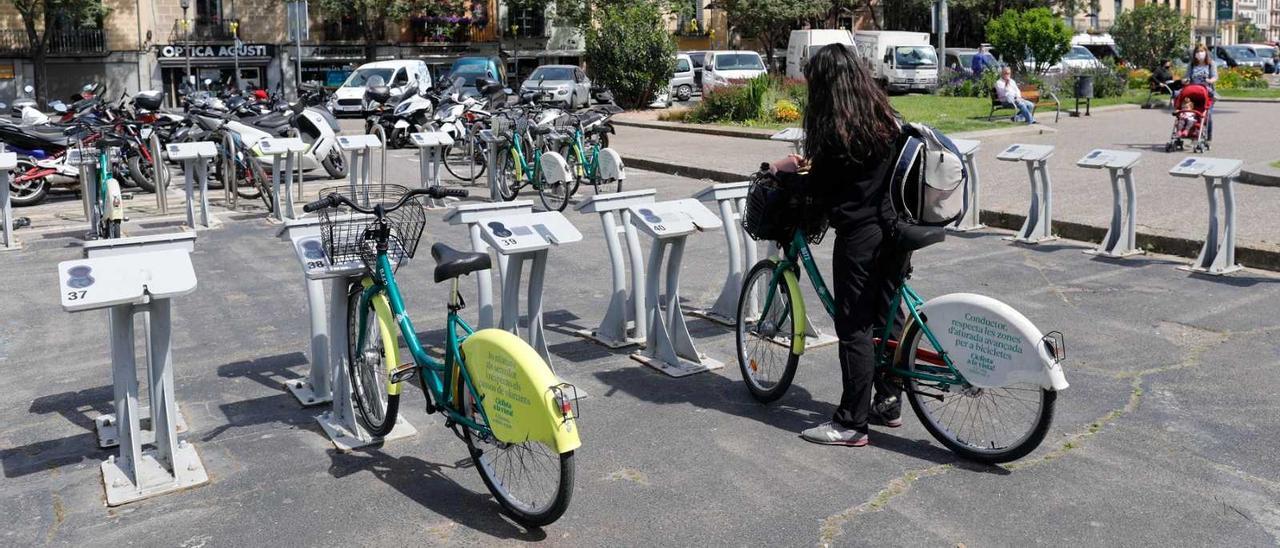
(793, 163)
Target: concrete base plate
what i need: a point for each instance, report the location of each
(1198, 270)
(707, 314)
(810, 341)
(109, 435)
(966, 228)
(153, 479)
(1029, 241)
(16, 246)
(682, 369)
(305, 393)
(214, 222)
(592, 335)
(349, 438)
(1101, 253)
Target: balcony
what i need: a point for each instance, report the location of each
(204, 29)
(59, 42)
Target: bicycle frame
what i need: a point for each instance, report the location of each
(521, 164)
(590, 169)
(383, 291)
(798, 255)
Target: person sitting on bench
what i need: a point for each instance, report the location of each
(1007, 92)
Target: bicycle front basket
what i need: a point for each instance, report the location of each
(345, 233)
(774, 211)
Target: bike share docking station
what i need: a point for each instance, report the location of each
(1038, 227)
(971, 220)
(8, 161)
(131, 276)
(328, 381)
(431, 146)
(86, 158)
(496, 147)
(1120, 241)
(286, 164)
(669, 347)
(472, 216)
(1218, 256)
(625, 309)
(195, 159)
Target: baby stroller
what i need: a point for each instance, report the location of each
(1201, 100)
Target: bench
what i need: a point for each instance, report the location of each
(1030, 93)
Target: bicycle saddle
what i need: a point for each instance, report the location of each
(451, 263)
(913, 237)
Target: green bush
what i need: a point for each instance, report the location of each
(1037, 32)
(1139, 79)
(1108, 81)
(739, 102)
(631, 52)
(959, 84)
(1241, 78)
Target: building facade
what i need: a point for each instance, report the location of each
(143, 44)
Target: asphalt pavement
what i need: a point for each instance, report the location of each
(1165, 437)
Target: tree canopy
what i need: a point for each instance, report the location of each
(1151, 34)
(1035, 33)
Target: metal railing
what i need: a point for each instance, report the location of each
(205, 29)
(59, 42)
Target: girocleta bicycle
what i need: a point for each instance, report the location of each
(494, 390)
(587, 158)
(526, 140)
(980, 377)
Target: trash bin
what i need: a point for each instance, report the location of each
(1084, 92)
(1084, 86)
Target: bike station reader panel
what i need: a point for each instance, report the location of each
(431, 139)
(1113, 159)
(529, 232)
(191, 151)
(273, 147)
(674, 218)
(1206, 167)
(100, 282)
(349, 143)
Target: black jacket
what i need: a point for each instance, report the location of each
(852, 193)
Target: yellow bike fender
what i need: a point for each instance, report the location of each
(799, 318)
(390, 343)
(519, 168)
(515, 388)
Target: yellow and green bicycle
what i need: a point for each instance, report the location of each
(494, 390)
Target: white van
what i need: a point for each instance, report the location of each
(900, 61)
(349, 98)
(723, 67)
(805, 43)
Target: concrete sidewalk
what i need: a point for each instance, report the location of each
(1172, 213)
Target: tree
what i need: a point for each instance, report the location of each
(1249, 33)
(37, 17)
(371, 14)
(630, 51)
(1032, 34)
(770, 21)
(1152, 34)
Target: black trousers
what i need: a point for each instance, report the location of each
(867, 269)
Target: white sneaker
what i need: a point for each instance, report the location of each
(833, 433)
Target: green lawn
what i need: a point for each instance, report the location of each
(1268, 93)
(956, 114)
(1275, 164)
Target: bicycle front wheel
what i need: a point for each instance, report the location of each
(532, 482)
(460, 160)
(508, 184)
(764, 337)
(375, 407)
(555, 196)
(988, 425)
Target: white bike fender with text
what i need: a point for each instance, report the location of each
(990, 343)
(611, 168)
(554, 168)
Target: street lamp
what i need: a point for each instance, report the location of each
(186, 37)
(235, 45)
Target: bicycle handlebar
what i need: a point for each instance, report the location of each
(334, 200)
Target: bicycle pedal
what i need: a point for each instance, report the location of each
(404, 372)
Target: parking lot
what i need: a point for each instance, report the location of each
(1164, 437)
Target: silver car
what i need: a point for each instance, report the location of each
(563, 84)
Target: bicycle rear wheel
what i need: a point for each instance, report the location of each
(532, 482)
(508, 184)
(375, 408)
(764, 338)
(989, 425)
(461, 162)
(555, 196)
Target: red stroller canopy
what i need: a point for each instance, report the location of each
(1199, 95)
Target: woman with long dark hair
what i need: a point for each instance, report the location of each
(851, 133)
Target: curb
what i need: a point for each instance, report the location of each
(705, 129)
(1248, 100)
(1261, 174)
(1253, 257)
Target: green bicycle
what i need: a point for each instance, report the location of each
(494, 390)
(522, 165)
(587, 158)
(986, 389)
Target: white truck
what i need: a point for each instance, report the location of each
(805, 43)
(900, 61)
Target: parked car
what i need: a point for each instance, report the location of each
(1266, 53)
(1079, 57)
(723, 67)
(682, 80)
(960, 60)
(472, 68)
(566, 84)
(1102, 46)
(348, 99)
(1240, 56)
